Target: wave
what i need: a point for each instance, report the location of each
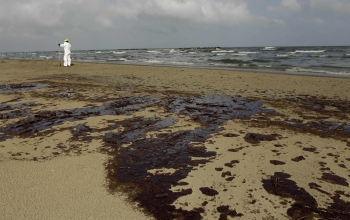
(269, 48)
(283, 55)
(181, 63)
(192, 52)
(124, 59)
(223, 51)
(153, 51)
(299, 69)
(154, 61)
(310, 51)
(234, 61)
(45, 57)
(242, 52)
(287, 54)
(119, 52)
(321, 56)
(261, 61)
(239, 54)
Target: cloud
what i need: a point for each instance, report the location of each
(319, 21)
(286, 7)
(336, 6)
(31, 16)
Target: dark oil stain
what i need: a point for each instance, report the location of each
(342, 165)
(134, 153)
(225, 211)
(171, 150)
(16, 110)
(208, 191)
(230, 135)
(11, 88)
(236, 149)
(280, 185)
(254, 138)
(277, 162)
(318, 188)
(47, 119)
(230, 178)
(305, 206)
(215, 109)
(322, 164)
(228, 165)
(332, 178)
(227, 173)
(297, 159)
(231, 164)
(319, 125)
(309, 149)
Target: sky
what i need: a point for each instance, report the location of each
(39, 25)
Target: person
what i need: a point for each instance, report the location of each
(66, 45)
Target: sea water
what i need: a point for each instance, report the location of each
(319, 60)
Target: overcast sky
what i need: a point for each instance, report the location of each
(39, 25)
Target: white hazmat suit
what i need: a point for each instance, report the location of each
(66, 57)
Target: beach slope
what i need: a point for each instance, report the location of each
(103, 141)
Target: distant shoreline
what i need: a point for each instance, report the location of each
(312, 61)
(204, 67)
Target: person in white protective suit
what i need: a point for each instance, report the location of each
(66, 57)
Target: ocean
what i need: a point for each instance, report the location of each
(316, 60)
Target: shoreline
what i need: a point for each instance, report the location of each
(207, 67)
(173, 141)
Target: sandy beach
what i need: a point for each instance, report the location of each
(105, 141)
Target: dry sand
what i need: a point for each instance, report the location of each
(289, 160)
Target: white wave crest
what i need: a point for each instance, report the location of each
(239, 54)
(154, 61)
(119, 52)
(181, 63)
(223, 51)
(123, 59)
(45, 57)
(247, 52)
(153, 51)
(287, 54)
(298, 69)
(269, 48)
(310, 51)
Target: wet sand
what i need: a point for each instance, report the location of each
(100, 141)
